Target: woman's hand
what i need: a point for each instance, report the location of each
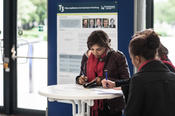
(117, 88)
(98, 80)
(108, 83)
(82, 80)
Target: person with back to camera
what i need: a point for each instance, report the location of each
(161, 55)
(95, 61)
(152, 88)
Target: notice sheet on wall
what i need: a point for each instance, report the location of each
(73, 30)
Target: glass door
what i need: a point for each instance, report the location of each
(31, 53)
(24, 53)
(1, 55)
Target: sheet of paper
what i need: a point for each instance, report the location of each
(107, 91)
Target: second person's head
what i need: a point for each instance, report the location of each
(143, 46)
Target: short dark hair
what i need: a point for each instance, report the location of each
(98, 37)
(145, 44)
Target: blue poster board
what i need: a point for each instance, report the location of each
(125, 31)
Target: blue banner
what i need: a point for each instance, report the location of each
(87, 7)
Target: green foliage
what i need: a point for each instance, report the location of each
(30, 34)
(165, 11)
(25, 11)
(34, 34)
(41, 9)
(31, 11)
(162, 33)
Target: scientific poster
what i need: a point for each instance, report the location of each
(74, 25)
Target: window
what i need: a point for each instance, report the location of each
(31, 53)
(164, 24)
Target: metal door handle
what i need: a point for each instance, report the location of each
(27, 57)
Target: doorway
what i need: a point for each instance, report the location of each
(24, 50)
(31, 53)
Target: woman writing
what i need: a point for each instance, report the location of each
(101, 57)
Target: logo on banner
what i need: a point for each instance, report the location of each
(61, 8)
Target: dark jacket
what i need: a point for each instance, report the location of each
(125, 82)
(169, 65)
(116, 64)
(152, 91)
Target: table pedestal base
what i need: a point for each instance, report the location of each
(83, 106)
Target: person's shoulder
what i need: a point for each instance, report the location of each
(118, 53)
(171, 75)
(86, 55)
(138, 78)
(169, 65)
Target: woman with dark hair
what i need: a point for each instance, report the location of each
(100, 58)
(151, 89)
(163, 56)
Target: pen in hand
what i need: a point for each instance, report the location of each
(106, 76)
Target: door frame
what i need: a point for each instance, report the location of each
(9, 35)
(10, 77)
(149, 14)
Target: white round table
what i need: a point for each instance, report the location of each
(77, 94)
